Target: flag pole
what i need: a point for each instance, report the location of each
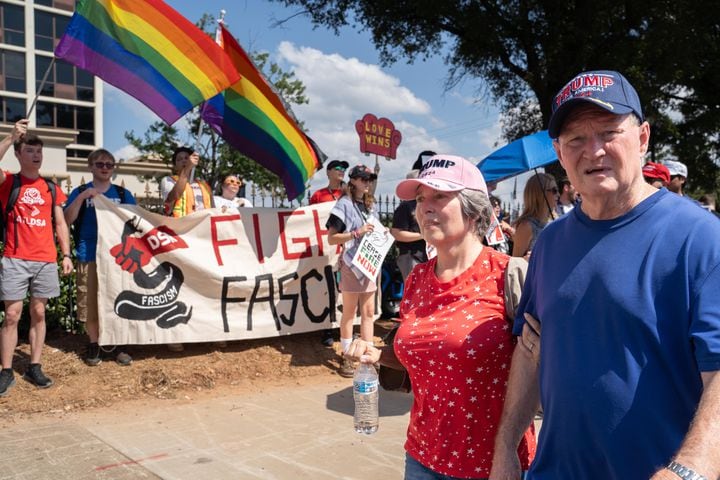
(42, 84)
(218, 40)
(197, 143)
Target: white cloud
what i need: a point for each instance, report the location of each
(489, 137)
(126, 153)
(341, 90)
(115, 98)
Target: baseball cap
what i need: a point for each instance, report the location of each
(676, 168)
(447, 173)
(656, 170)
(604, 88)
(361, 171)
(337, 163)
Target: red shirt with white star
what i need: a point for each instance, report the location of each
(457, 346)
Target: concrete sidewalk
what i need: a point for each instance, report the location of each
(293, 432)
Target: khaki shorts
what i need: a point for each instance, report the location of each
(87, 292)
(17, 276)
(349, 282)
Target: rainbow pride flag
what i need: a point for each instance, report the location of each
(149, 51)
(254, 120)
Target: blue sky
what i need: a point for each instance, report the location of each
(344, 80)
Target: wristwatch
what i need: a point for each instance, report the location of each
(684, 472)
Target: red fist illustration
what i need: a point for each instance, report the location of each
(131, 254)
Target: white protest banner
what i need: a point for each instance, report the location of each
(212, 276)
(372, 250)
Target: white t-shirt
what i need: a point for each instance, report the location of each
(236, 202)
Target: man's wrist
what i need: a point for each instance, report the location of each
(67, 255)
(684, 472)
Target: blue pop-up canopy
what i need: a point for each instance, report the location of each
(517, 157)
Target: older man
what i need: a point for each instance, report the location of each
(629, 312)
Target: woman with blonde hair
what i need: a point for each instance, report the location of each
(540, 197)
(349, 220)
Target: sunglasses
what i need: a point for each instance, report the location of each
(553, 190)
(107, 165)
(339, 168)
(231, 182)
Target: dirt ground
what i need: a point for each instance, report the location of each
(157, 373)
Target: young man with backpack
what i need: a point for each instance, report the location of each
(80, 212)
(32, 213)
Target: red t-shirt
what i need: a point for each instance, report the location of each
(325, 195)
(457, 347)
(32, 216)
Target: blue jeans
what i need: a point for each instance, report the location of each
(415, 470)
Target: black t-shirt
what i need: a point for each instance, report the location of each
(404, 219)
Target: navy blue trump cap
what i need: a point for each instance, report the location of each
(604, 88)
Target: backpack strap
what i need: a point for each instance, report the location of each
(81, 213)
(121, 192)
(12, 200)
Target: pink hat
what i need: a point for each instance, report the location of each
(447, 173)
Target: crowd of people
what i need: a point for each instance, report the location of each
(616, 336)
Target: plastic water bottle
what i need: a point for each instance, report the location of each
(365, 393)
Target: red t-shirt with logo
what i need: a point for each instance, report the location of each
(32, 216)
(457, 347)
(325, 195)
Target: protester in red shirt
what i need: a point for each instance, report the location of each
(335, 171)
(454, 339)
(29, 261)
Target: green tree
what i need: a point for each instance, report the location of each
(525, 50)
(217, 157)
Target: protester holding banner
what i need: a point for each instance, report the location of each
(348, 222)
(539, 199)
(228, 198)
(80, 213)
(182, 194)
(453, 338)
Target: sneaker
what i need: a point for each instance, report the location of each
(35, 375)
(123, 359)
(92, 356)
(7, 380)
(347, 369)
(175, 347)
(327, 338)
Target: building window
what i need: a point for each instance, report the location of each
(12, 21)
(60, 115)
(13, 109)
(76, 153)
(12, 71)
(68, 5)
(64, 80)
(48, 29)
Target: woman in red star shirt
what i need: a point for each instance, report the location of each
(454, 339)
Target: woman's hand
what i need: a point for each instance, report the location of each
(530, 338)
(363, 351)
(367, 228)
